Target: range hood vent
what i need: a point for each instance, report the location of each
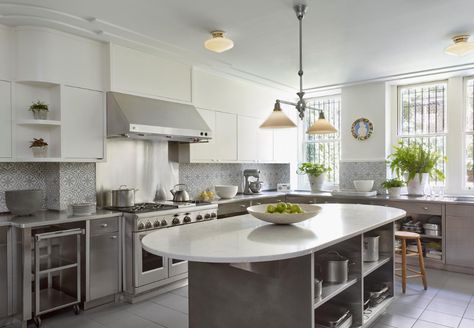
(146, 118)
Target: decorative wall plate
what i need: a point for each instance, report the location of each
(362, 129)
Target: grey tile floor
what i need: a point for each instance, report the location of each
(448, 302)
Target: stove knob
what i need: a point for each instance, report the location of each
(187, 219)
(148, 225)
(164, 223)
(199, 217)
(175, 221)
(213, 215)
(207, 216)
(156, 224)
(141, 226)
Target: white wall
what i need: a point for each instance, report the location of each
(368, 101)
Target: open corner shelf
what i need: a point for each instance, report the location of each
(369, 318)
(369, 267)
(331, 290)
(39, 122)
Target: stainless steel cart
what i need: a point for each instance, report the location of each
(57, 260)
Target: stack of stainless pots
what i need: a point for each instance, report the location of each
(334, 267)
(123, 197)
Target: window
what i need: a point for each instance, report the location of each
(326, 148)
(469, 133)
(422, 117)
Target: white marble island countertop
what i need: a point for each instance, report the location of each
(246, 239)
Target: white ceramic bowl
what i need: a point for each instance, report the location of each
(260, 212)
(226, 191)
(363, 185)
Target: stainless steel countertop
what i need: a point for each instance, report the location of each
(424, 199)
(47, 217)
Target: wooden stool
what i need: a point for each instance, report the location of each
(404, 236)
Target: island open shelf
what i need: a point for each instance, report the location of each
(249, 279)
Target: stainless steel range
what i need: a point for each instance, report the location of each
(145, 272)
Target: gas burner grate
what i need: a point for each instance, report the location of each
(142, 208)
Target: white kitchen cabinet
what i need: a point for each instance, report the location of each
(233, 95)
(254, 144)
(285, 145)
(5, 120)
(83, 127)
(6, 53)
(144, 74)
(205, 151)
(225, 137)
(59, 58)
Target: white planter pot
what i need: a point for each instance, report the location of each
(316, 183)
(40, 114)
(416, 186)
(40, 151)
(394, 191)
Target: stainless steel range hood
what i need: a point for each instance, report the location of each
(145, 118)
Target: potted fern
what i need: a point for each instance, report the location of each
(417, 164)
(393, 186)
(39, 147)
(40, 110)
(316, 174)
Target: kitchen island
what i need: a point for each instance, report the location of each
(247, 273)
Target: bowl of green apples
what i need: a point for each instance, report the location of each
(284, 213)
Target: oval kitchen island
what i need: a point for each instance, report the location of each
(244, 272)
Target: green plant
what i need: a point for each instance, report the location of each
(313, 169)
(393, 183)
(39, 106)
(414, 158)
(38, 143)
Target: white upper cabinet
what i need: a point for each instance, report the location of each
(6, 53)
(47, 55)
(137, 72)
(5, 121)
(225, 137)
(233, 95)
(254, 144)
(83, 123)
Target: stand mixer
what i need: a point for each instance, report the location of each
(253, 185)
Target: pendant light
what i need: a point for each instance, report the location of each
(218, 43)
(461, 46)
(277, 118)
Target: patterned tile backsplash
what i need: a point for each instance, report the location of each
(200, 177)
(350, 171)
(63, 183)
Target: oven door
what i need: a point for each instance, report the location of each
(177, 267)
(148, 268)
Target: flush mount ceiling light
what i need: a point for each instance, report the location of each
(278, 119)
(461, 46)
(218, 43)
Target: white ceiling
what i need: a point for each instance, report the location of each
(344, 40)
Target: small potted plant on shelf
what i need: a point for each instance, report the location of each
(39, 147)
(316, 174)
(394, 186)
(417, 164)
(40, 110)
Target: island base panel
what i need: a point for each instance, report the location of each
(225, 295)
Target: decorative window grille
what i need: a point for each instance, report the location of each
(422, 117)
(469, 134)
(325, 148)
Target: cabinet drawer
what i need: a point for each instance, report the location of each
(229, 209)
(418, 208)
(460, 210)
(269, 200)
(101, 226)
